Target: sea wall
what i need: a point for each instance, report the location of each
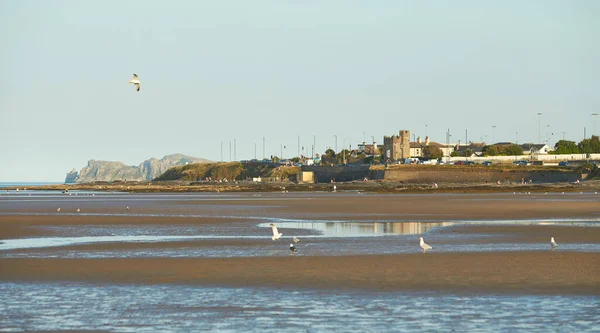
(324, 174)
(477, 176)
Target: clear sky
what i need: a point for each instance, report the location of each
(215, 71)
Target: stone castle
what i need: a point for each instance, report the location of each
(396, 147)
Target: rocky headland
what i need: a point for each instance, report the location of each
(109, 171)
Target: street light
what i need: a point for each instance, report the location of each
(595, 114)
(493, 134)
(335, 136)
(539, 127)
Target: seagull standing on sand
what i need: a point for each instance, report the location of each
(293, 249)
(135, 81)
(127, 207)
(58, 210)
(78, 210)
(276, 234)
(423, 245)
(553, 243)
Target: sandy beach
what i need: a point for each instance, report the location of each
(529, 272)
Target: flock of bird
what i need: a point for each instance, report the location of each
(424, 246)
(293, 250)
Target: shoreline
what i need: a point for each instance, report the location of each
(355, 186)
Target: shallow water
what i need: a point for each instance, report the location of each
(172, 308)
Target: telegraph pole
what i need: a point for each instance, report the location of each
(539, 127)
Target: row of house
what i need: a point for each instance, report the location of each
(399, 147)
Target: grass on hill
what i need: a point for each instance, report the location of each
(229, 170)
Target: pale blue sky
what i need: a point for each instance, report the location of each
(219, 70)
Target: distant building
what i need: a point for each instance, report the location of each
(367, 149)
(396, 147)
(533, 148)
(476, 149)
(416, 148)
(304, 177)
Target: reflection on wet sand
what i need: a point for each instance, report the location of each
(353, 229)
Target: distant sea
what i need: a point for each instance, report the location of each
(25, 184)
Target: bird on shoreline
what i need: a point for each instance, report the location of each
(78, 210)
(423, 245)
(553, 244)
(293, 249)
(296, 239)
(58, 210)
(276, 233)
(127, 207)
(136, 81)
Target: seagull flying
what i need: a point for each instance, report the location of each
(553, 243)
(276, 234)
(296, 239)
(135, 81)
(423, 245)
(293, 249)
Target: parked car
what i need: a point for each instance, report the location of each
(520, 162)
(564, 163)
(459, 163)
(486, 163)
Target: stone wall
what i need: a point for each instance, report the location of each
(477, 176)
(324, 174)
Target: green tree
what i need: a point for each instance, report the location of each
(343, 155)
(513, 150)
(491, 151)
(330, 153)
(589, 146)
(468, 152)
(565, 147)
(432, 152)
(454, 154)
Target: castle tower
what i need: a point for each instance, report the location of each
(396, 147)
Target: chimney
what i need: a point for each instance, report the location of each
(419, 139)
(427, 141)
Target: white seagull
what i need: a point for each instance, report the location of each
(293, 249)
(276, 234)
(127, 207)
(553, 243)
(135, 81)
(58, 210)
(78, 210)
(296, 239)
(423, 245)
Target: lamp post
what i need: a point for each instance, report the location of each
(595, 116)
(335, 136)
(539, 126)
(314, 147)
(493, 134)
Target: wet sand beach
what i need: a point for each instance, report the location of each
(449, 269)
(528, 273)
